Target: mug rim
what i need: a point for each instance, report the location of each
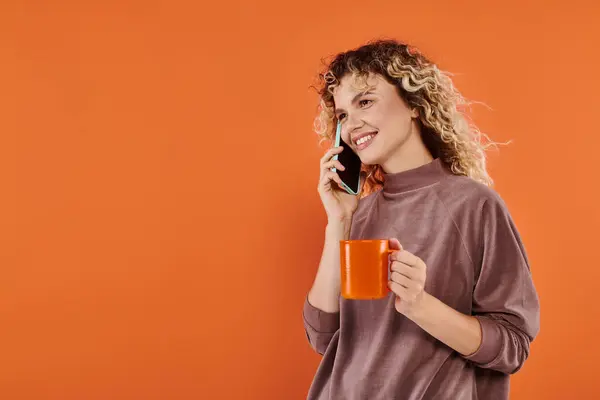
(364, 240)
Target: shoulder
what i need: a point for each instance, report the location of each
(479, 213)
(464, 193)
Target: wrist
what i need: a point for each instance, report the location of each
(421, 310)
(339, 228)
(339, 220)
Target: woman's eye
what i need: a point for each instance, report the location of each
(362, 103)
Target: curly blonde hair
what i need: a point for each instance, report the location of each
(446, 129)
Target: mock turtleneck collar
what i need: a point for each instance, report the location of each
(415, 178)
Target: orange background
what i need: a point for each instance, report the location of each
(160, 219)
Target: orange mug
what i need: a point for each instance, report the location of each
(364, 268)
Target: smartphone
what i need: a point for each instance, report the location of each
(350, 177)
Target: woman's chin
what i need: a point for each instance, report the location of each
(369, 158)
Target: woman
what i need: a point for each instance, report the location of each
(463, 308)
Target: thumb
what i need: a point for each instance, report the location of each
(395, 244)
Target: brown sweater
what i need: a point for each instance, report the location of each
(476, 264)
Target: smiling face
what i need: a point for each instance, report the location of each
(376, 122)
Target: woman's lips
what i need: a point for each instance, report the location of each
(365, 141)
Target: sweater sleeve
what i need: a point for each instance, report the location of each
(320, 326)
(505, 300)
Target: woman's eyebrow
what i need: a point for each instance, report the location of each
(366, 92)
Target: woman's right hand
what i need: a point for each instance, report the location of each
(339, 204)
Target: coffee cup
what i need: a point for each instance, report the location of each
(364, 268)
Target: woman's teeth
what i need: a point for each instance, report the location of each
(364, 139)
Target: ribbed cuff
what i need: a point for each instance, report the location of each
(320, 320)
(491, 343)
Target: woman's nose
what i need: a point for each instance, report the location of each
(351, 124)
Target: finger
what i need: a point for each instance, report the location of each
(395, 244)
(333, 163)
(403, 293)
(330, 153)
(398, 289)
(330, 176)
(408, 258)
(400, 279)
(412, 286)
(404, 269)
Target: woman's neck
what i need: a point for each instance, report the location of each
(412, 154)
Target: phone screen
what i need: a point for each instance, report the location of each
(350, 160)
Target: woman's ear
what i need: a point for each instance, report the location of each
(414, 113)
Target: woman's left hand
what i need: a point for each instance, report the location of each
(407, 278)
